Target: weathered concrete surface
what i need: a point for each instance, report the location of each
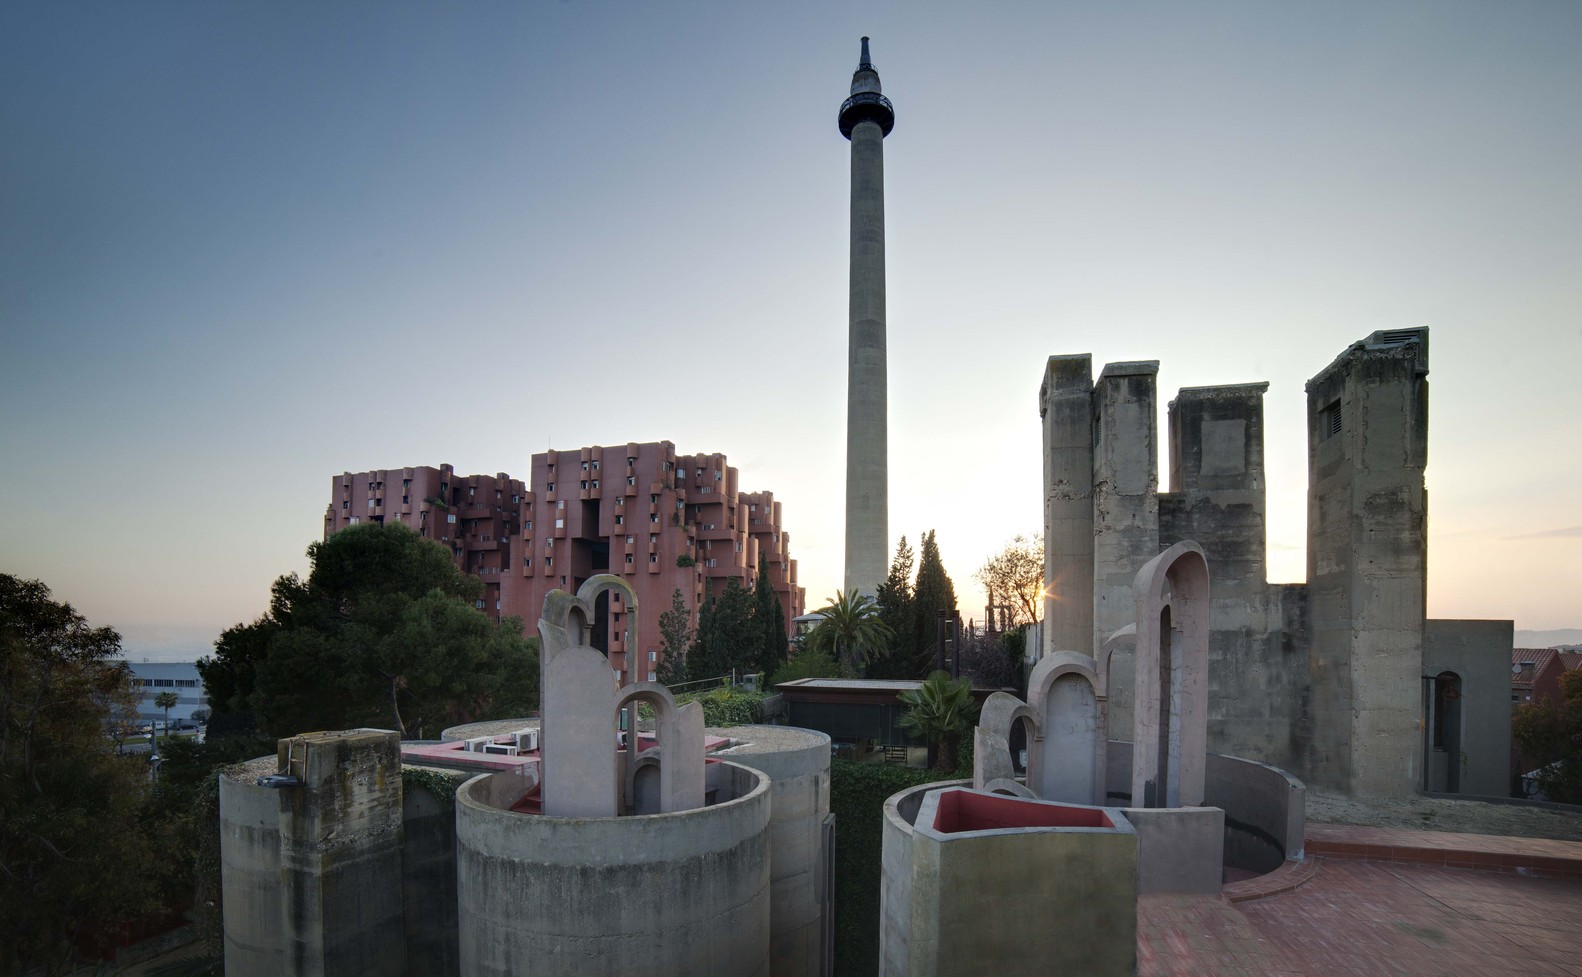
(956, 903)
(664, 894)
(867, 443)
(1367, 563)
(1170, 730)
(254, 907)
(1265, 808)
(340, 854)
(428, 879)
(1265, 812)
(1479, 652)
(1062, 755)
(1257, 668)
(1065, 406)
(1125, 504)
(1179, 849)
(796, 761)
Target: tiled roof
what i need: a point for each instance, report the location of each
(1540, 657)
(1570, 660)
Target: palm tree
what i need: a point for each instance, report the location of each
(939, 711)
(851, 630)
(166, 701)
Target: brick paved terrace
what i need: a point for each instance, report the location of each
(1416, 915)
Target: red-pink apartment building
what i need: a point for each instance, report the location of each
(660, 521)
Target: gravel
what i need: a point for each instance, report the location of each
(1437, 814)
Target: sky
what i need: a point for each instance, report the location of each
(246, 247)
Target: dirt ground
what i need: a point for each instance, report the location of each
(1436, 814)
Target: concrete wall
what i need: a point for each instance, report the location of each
(312, 874)
(1367, 563)
(1065, 406)
(254, 907)
(1125, 506)
(1480, 653)
(797, 764)
(428, 880)
(663, 894)
(1179, 849)
(1265, 812)
(1265, 807)
(1217, 499)
(964, 896)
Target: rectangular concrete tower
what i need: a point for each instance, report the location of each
(1367, 515)
(866, 118)
(1065, 405)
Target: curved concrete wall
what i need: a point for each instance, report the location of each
(1265, 807)
(661, 894)
(1265, 811)
(250, 877)
(895, 876)
(797, 764)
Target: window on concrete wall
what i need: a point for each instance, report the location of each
(1329, 421)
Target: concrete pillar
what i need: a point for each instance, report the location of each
(1125, 507)
(340, 854)
(1367, 562)
(1065, 404)
(866, 118)
(1257, 673)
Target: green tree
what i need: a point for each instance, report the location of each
(851, 631)
(1549, 734)
(897, 613)
(938, 712)
(1014, 578)
(807, 663)
(167, 701)
(725, 634)
(675, 636)
(382, 633)
(769, 624)
(77, 851)
(934, 593)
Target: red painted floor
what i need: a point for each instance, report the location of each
(1371, 918)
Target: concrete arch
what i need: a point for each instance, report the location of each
(1002, 785)
(597, 584)
(1170, 719)
(1062, 762)
(991, 738)
(680, 730)
(1121, 639)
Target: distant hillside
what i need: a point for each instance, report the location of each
(1548, 639)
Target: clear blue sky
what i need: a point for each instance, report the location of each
(244, 247)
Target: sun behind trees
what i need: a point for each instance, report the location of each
(382, 633)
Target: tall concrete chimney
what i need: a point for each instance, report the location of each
(865, 119)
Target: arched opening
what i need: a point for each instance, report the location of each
(1442, 766)
(1169, 715)
(645, 786)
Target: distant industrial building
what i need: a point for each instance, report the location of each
(152, 678)
(662, 522)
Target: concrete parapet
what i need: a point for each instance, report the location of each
(1042, 887)
(312, 870)
(662, 894)
(1179, 849)
(250, 876)
(797, 764)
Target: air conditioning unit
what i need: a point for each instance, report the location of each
(526, 740)
(477, 743)
(501, 749)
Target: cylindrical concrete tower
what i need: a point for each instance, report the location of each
(866, 118)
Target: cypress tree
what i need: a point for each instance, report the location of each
(768, 624)
(934, 593)
(896, 611)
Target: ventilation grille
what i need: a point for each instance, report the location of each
(1329, 421)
